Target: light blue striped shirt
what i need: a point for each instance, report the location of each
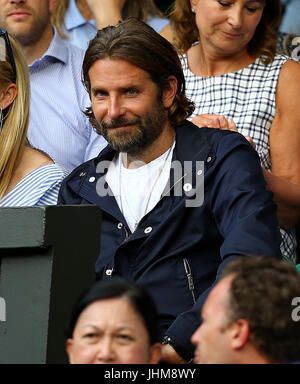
(39, 187)
(57, 124)
(80, 31)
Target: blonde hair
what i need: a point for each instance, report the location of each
(15, 124)
(141, 9)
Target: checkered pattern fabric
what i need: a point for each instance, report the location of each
(248, 96)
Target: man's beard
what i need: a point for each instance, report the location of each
(33, 31)
(147, 129)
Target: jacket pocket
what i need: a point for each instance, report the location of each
(188, 272)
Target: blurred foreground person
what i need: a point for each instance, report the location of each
(250, 316)
(114, 322)
(27, 176)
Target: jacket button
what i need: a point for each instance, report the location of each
(120, 226)
(148, 230)
(208, 159)
(92, 179)
(108, 272)
(187, 187)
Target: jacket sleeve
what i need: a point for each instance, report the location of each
(244, 214)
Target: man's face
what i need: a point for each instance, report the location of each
(26, 19)
(126, 105)
(212, 338)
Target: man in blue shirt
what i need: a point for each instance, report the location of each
(178, 202)
(57, 124)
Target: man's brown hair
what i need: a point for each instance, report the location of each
(136, 42)
(262, 291)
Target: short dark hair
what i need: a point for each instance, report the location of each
(262, 291)
(118, 287)
(134, 41)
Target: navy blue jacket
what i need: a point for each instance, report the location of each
(178, 252)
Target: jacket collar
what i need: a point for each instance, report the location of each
(191, 146)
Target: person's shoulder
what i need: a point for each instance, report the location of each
(220, 141)
(75, 52)
(289, 76)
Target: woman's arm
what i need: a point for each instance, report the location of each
(106, 12)
(284, 180)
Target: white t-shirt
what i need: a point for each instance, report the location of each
(141, 188)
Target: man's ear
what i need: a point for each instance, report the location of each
(8, 95)
(169, 92)
(239, 334)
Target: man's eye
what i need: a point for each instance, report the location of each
(99, 93)
(131, 91)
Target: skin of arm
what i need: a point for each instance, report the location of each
(284, 180)
(106, 12)
(167, 33)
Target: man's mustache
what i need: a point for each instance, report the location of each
(116, 123)
(18, 8)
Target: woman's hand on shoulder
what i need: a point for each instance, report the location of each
(215, 121)
(220, 122)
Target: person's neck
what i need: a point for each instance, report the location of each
(155, 150)
(205, 60)
(250, 355)
(36, 50)
(84, 9)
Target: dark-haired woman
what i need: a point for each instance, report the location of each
(114, 322)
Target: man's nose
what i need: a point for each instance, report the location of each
(195, 339)
(115, 108)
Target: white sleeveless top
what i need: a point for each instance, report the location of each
(248, 96)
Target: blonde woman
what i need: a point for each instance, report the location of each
(27, 176)
(78, 20)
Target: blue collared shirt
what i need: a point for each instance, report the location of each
(57, 124)
(290, 22)
(80, 31)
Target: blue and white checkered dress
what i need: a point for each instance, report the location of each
(248, 96)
